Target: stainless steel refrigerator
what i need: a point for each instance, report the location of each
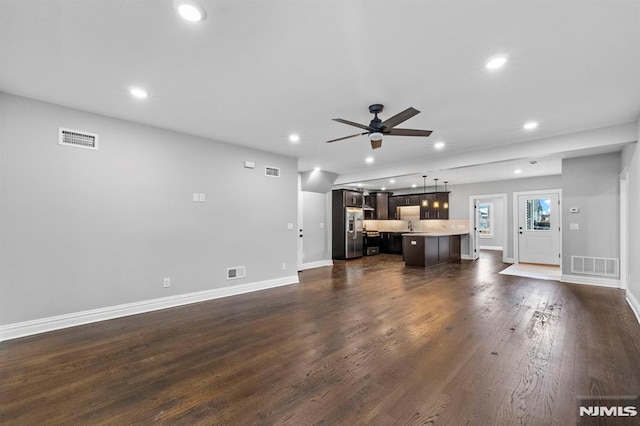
(353, 237)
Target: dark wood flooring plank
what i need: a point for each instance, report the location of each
(367, 341)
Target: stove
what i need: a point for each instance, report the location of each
(371, 243)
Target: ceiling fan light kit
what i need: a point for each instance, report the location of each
(378, 128)
(376, 140)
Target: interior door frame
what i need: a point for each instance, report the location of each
(473, 225)
(299, 228)
(516, 219)
(624, 225)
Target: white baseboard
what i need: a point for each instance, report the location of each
(635, 305)
(586, 280)
(491, 248)
(509, 260)
(317, 264)
(42, 325)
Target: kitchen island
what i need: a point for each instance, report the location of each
(425, 249)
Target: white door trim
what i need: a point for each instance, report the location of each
(624, 226)
(516, 213)
(473, 226)
(299, 228)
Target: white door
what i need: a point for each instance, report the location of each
(476, 229)
(539, 228)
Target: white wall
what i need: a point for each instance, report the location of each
(591, 184)
(459, 198)
(316, 227)
(83, 229)
(631, 160)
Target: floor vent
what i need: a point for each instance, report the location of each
(272, 171)
(595, 266)
(236, 272)
(77, 138)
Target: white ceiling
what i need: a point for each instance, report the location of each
(255, 71)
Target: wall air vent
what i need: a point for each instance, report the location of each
(595, 266)
(236, 272)
(77, 138)
(272, 171)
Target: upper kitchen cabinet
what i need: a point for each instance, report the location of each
(407, 200)
(437, 206)
(380, 203)
(352, 198)
(392, 208)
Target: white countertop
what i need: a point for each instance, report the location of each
(434, 234)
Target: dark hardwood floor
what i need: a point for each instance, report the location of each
(366, 341)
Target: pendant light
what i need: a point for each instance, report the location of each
(436, 203)
(425, 202)
(446, 204)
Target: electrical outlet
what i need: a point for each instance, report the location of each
(284, 266)
(166, 282)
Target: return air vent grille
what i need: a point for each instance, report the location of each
(77, 138)
(236, 272)
(595, 266)
(272, 171)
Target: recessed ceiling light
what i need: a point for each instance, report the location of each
(392, 181)
(414, 185)
(294, 138)
(138, 92)
(316, 169)
(530, 125)
(190, 10)
(438, 145)
(369, 160)
(495, 62)
(383, 188)
(517, 171)
(360, 185)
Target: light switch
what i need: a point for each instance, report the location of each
(202, 199)
(574, 226)
(290, 226)
(196, 197)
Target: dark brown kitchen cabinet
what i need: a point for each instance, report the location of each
(352, 198)
(437, 206)
(426, 251)
(407, 200)
(370, 200)
(391, 242)
(392, 208)
(380, 203)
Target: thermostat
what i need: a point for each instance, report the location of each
(574, 210)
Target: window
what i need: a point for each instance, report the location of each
(539, 214)
(485, 225)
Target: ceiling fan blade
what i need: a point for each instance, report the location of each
(351, 123)
(347, 137)
(400, 117)
(408, 132)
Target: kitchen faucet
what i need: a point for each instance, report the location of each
(410, 226)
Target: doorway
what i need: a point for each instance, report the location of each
(537, 238)
(488, 228)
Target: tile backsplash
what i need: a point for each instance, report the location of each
(458, 225)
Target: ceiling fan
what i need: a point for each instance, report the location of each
(377, 128)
